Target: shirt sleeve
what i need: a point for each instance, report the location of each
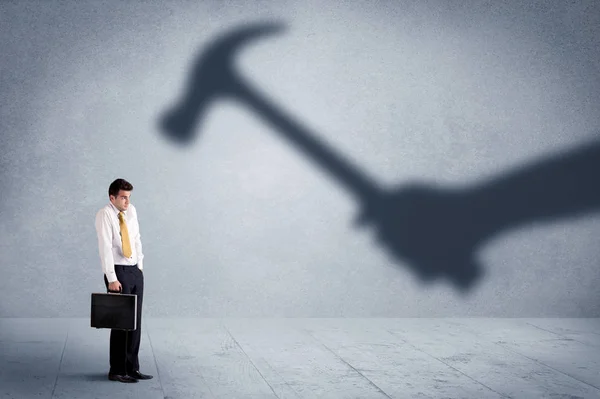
(104, 231)
(138, 242)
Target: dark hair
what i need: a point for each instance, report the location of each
(117, 185)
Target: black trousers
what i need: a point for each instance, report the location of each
(125, 345)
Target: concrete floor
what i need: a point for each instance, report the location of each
(309, 358)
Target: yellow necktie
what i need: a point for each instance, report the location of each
(124, 236)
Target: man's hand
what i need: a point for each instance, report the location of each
(114, 286)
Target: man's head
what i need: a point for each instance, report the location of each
(119, 192)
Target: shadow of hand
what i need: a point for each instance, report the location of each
(430, 229)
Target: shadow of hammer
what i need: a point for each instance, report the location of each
(214, 78)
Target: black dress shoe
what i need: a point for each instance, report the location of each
(121, 378)
(139, 376)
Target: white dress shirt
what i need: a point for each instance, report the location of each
(109, 239)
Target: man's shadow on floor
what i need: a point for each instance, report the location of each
(435, 231)
(94, 377)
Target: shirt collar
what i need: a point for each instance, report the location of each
(114, 208)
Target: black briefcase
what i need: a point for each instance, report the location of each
(113, 310)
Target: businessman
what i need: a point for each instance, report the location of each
(121, 256)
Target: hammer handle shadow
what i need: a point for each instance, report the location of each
(339, 168)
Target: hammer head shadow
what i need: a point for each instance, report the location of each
(213, 76)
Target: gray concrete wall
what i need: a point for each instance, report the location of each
(472, 129)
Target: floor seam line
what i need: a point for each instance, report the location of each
(558, 334)
(62, 355)
(254, 365)
(448, 365)
(155, 362)
(348, 364)
(545, 365)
